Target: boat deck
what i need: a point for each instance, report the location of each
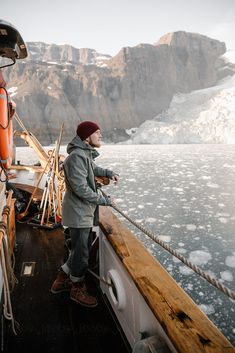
(49, 322)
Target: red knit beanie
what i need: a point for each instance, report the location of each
(86, 128)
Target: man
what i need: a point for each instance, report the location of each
(80, 210)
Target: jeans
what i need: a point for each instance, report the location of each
(77, 264)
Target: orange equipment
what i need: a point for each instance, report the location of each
(6, 130)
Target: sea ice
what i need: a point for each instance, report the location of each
(176, 226)
(150, 220)
(181, 250)
(165, 238)
(223, 220)
(205, 177)
(184, 270)
(200, 257)
(213, 185)
(191, 227)
(226, 276)
(230, 261)
(119, 200)
(207, 309)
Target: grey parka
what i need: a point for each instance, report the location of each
(81, 200)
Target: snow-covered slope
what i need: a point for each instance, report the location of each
(202, 116)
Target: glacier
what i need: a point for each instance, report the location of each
(201, 116)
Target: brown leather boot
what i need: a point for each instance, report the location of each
(80, 295)
(62, 283)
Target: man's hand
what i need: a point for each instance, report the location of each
(115, 178)
(109, 200)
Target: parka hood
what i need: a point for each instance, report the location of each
(78, 143)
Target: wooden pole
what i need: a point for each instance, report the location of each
(36, 187)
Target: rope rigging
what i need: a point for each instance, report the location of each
(3, 171)
(9, 279)
(195, 268)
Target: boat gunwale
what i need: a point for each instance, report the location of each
(188, 329)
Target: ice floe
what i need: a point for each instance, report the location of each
(226, 276)
(200, 257)
(230, 261)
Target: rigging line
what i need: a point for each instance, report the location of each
(7, 307)
(100, 278)
(3, 171)
(188, 263)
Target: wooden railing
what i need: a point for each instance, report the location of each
(187, 327)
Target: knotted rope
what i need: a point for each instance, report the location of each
(7, 270)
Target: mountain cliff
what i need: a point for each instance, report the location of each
(57, 84)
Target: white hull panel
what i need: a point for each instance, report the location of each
(132, 312)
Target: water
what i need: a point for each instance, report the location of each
(186, 194)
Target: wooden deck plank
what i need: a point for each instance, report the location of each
(53, 323)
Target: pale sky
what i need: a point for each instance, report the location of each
(109, 25)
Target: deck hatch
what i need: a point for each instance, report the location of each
(28, 269)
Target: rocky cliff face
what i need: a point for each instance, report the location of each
(59, 84)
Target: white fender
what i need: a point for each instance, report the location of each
(119, 298)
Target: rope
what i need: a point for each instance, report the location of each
(188, 263)
(100, 278)
(9, 279)
(8, 111)
(7, 307)
(3, 171)
(11, 276)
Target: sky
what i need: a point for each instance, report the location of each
(109, 25)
